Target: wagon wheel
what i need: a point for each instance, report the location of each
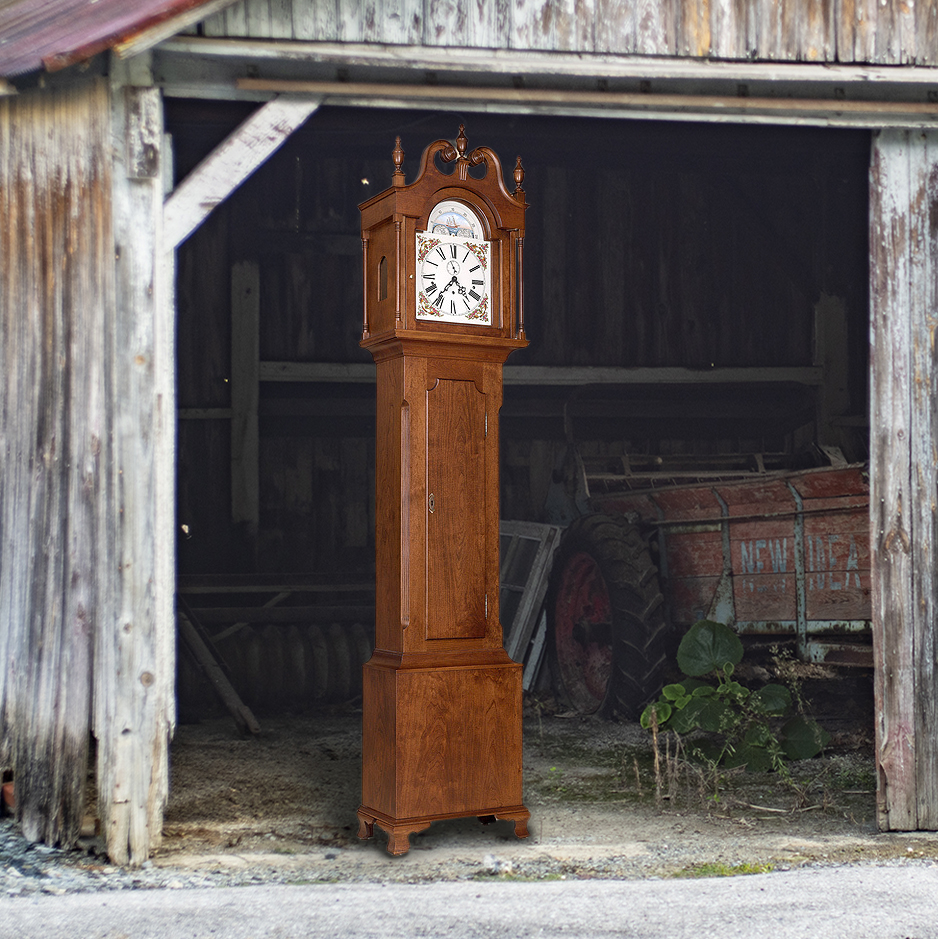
(605, 619)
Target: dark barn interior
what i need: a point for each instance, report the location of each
(657, 246)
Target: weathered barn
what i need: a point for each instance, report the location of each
(733, 212)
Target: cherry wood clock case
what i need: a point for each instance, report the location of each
(442, 699)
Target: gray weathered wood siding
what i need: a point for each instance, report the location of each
(904, 474)
(86, 630)
(56, 254)
(773, 30)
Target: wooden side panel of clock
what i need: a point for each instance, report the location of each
(379, 739)
(392, 468)
(456, 518)
(381, 278)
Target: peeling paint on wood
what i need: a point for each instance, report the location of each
(55, 251)
(768, 30)
(904, 436)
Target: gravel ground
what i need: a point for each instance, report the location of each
(281, 809)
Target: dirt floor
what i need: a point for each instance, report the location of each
(288, 799)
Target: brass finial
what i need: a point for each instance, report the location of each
(519, 179)
(398, 156)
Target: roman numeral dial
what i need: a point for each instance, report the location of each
(453, 279)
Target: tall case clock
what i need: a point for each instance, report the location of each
(442, 312)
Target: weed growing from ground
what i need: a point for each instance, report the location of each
(712, 729)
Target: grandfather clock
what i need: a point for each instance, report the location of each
(442, 699)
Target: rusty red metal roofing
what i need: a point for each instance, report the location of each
(53, 34)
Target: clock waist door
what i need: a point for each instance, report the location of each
(456, 510)
(450, 515)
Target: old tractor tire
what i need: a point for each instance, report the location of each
(606, 621)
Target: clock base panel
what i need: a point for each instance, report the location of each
(440, 743)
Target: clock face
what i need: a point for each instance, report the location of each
(453, 279)
(455, 218)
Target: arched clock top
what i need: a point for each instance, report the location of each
(491, 185)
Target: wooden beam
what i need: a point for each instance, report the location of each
(201, 649)
(871, 112)
(219, 174)
(560, 374)
(904, 475)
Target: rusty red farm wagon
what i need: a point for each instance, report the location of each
(773, 553)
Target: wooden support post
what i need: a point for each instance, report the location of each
(245, 392)
(135, 643)
(904, 441)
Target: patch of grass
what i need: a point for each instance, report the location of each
(716, 869)
(852, 774)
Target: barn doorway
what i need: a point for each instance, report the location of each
(653, 250)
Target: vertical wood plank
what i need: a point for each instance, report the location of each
(448, 22)
(614, 31)
(693, 25)
(281, 18)
(36, 750)
(816, 31)
(926, 30)
(245, 393)
(724, 36)
(891, 480)
(924, 461)
(398, 21)
(864, 37)
(7, 233)
(553, 295)
(216, 24)
(309, 19)
(655, 32)
(482, 24)
(258, 17)
(530, 24)
(613, 213)
(769, 29)
(352, 17)
(236, 19)
(788, 40)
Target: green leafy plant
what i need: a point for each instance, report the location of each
(733, 726)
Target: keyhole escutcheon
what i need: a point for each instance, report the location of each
(431, 503)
